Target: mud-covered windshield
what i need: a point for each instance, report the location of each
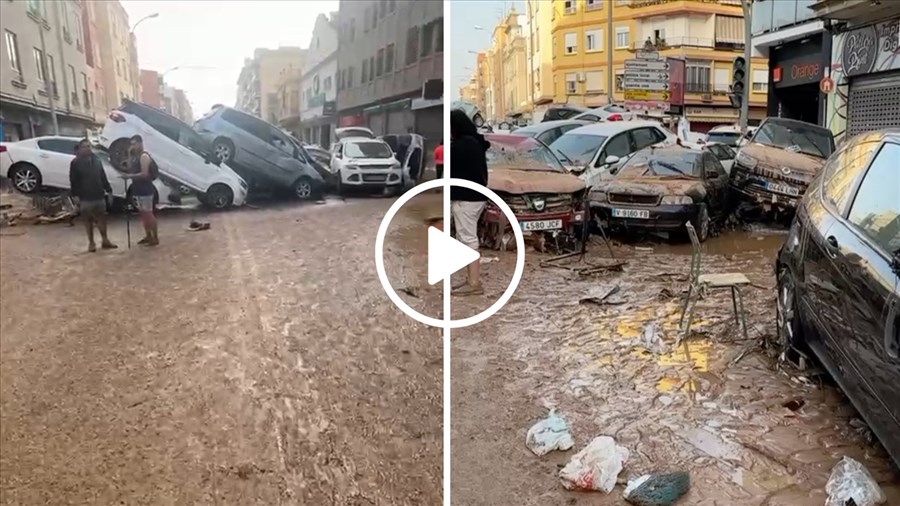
(663, 163)
(580, 148)
(368, 150)
(521, 153)
(796, 137)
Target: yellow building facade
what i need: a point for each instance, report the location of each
(539, 50)
(707, 34)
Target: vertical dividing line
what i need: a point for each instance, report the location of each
(445, 193)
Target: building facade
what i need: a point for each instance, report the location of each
(516, 102)
(261, 78)
(117, 54)
(152, 88)
(539, 54)
(175, 102)
(43, 60)
(390, 62)
(94, 61)
(318, 83)
(708, 35)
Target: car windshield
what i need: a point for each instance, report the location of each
(729, 138)
(663, 163)
(367, 150)
(796, 137)
(580, 148)
(521, 153)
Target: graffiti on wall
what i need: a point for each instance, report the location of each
(864, 50)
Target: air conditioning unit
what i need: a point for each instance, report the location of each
(580, 77)
(706, 97)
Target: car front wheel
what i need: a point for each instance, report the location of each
(786, 315)
(25, 177)
(701, 223)
(304, 189)
(219, 196)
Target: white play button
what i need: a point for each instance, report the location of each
(446, 255)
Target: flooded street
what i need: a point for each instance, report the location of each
(749, 433)
(259, 362)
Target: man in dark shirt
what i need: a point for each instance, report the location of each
(89, 187)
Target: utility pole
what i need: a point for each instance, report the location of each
(610, 71)
(747, 6)
(48, 84)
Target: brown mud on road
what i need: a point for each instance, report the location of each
(259, 362)
(675, 409)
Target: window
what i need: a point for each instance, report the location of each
(379, 63)
(571, 83)
(79, 33)
(876, 208)
(593, 41)
(590, 5)
(570, 6)
(427, 39)
(644, 137)
(365, 71)
(371, 68)
(550, 135)
(74, 88)
(617, 146)
(39, 64)
(412, 45)
(352, 30)
(760, 81)
(389, 59)
(327, 83)
(594, 81)
(623, 37)
(571, 42)
(342, 76)
(51, 70)
(620, 79)
(366, 19)
(118, 68)
(12, 51)
(67, 29)
(722, 81)
(36, 7)
(350, 77)
(697, 77)
(842, 170)
(439, 35)
(63, 146)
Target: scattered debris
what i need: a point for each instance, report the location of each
(851, 483)
(596, 467)
(549, 434)
(489, 260)
(657, 489)
(643, 249)
(412, 291)
(651, 339)
(196, 226)
(599, 294)
(794, 404)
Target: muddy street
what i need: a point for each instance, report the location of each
(748, 432)
(258, 362)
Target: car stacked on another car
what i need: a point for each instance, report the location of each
(182, 155)
(839, 279)
(364, 162)
(772, 171)
(261, 153)
(661, 189)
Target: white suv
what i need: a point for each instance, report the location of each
(180, 153)
(365, 162)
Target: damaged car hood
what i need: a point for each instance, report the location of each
(653, 185)
(518, 182)
(799, 165)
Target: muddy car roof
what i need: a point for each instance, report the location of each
(547, 125)
(611, 128)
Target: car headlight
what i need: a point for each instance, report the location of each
(677, 200)
(351, 167)
(746, 160)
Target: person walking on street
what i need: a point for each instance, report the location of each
(467, 152)
(439, 160)
(143, 172)
(89, 188)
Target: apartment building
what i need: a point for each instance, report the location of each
(708, 35)
(261, 77)
(152, 88)
(538, 14)
(93, 56)
(318, 84)
(117, 54)
(391, 61)
(175, 102)
(289, 102)
(43, 61)
(516, 100)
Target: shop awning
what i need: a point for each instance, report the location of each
(729, 29)
(424, 103)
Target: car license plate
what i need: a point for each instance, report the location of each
(535, 226)
(642, 214)
(780, 188)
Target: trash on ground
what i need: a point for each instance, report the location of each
(596, 467)
(599, 294)
(645, 249)
(651, 339)
(489, 260)
(657, 489)
(19, 209)
(198, 225)
(412, 291)
(851, 483)
(794, 404)
(549, 434)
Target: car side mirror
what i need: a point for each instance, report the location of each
(338, 155)
(611, 160)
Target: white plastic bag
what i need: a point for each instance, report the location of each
(596, 467)
(549, 434)
(851, 480)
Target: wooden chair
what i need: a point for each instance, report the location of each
(699, 283)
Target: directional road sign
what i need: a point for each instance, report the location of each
(646, 80)
(660, 96)
(634, 84)
(646, 65)
(660, 76)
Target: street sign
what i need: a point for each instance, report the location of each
(662, 65)
(826, 85)
(631, 84)
(647, 55)
(660, 76)
(646, 81)
(660, 96)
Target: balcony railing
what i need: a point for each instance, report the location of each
(670, 42)
(649, 3)
(703, 88)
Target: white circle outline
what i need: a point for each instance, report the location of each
(446, 322)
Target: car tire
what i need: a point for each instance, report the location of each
(219, 197)
(787, 319)
(223, 149)
(25, 177)
(701, 223)
(118, 154)
(304, 189)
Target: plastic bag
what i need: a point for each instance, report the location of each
(596, 467)
(851, 480)
(549, 434)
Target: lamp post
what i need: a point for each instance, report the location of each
(145, 18)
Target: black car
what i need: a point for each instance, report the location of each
(839, 279)
(660, 189)
(558, 112)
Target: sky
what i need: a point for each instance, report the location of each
(472, 24)
(209, 40)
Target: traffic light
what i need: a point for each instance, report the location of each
(738, 80)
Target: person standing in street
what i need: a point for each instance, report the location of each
(439, 160)
(89, 188)
(143, 172)
(467, 153)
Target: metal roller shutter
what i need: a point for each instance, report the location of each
(874, 102)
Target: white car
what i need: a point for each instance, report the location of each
(364, 162)
(600, 149)
(723, 152)
(181, 154)
(610, 112)
(43, 162)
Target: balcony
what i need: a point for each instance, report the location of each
(696, 42)
(701, 88)
(636, 4)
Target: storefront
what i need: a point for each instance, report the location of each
(796, 68)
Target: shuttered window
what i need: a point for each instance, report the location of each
(729, 29)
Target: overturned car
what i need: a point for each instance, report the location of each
(546, 199)
(660, 190)
(772, 171)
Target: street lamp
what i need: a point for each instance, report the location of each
(149, 16)
(186, 67)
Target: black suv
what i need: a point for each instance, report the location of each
(839, 278)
